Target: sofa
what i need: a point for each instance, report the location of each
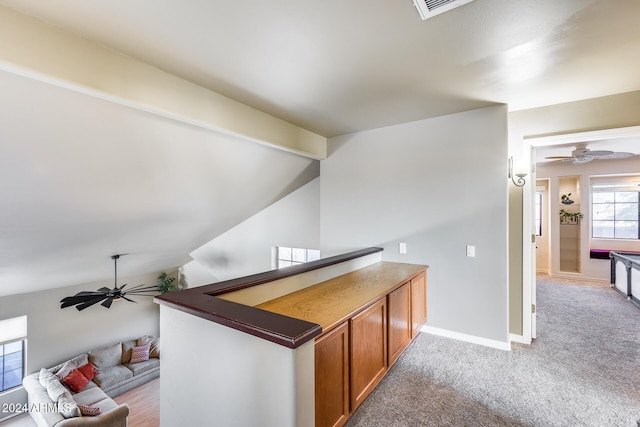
(79, 391)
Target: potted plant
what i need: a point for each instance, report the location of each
(165, 283)
(570, 217)
(565, 200)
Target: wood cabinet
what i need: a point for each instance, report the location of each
(332, 377)
(400, 326)
(418, 302)
(368, 350)
(368, 317)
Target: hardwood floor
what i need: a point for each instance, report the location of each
(144, 404)
(143, 401)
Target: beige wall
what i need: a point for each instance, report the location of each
(515, 262)
(607, 112)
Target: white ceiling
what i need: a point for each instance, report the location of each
(76, 189)
(82, 179)
(338, 66)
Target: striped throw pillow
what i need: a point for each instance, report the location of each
(89, 411)
(140, 354)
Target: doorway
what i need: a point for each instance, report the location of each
(535, 260)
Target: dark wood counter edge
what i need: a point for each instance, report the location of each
(272, 275)
(286, 331)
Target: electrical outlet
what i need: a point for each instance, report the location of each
(471, 251)
(402, 248)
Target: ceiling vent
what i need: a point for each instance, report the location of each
(431, 8)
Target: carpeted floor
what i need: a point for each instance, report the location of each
(583, 370)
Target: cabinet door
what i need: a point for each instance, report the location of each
(400, 322)
(368, 350)
(332, 377)
(418, 302)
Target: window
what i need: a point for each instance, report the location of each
(11, 364)
(286, 257)
(13, 333)
(616, 213)
(538, 213)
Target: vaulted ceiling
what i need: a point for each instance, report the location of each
(83, 178)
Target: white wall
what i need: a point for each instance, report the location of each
(591, 269)
(293, 221)
(218, 376)
(55, 334)
(438, 185)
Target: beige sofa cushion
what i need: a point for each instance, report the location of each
(154, 345)
(65, 370)
(110, 376)
(126, 350)
(140, 367)
(67, 406)
(90, 396)
(106, 357)
(52, 384)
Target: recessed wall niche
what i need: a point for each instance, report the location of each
(569, 205)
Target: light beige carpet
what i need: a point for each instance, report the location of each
(583, 370)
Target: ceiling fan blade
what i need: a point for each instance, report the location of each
(88, 304)
(80, 298)
(103, 289)
(130, 300)
(617, 155)
(558, 157)
(141, 288)
(107, 303)
(599, 153)
(91, 293)
(69, 301)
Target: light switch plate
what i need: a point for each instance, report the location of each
(471, 251)
(402, 248)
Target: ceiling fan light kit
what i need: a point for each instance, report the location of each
(86, 299)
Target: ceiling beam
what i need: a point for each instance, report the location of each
(33, 49)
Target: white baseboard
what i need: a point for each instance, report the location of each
(519, 339)
(467, 338)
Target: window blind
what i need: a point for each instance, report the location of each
(13, 329)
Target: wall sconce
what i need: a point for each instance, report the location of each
(520, 182)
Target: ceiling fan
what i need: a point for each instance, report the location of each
(582, 155)
(86, 299)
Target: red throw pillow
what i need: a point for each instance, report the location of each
(76, 381)
(88, 370)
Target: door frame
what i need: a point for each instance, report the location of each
(529, 326)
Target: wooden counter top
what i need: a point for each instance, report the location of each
(203, 302)
(332, 302)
